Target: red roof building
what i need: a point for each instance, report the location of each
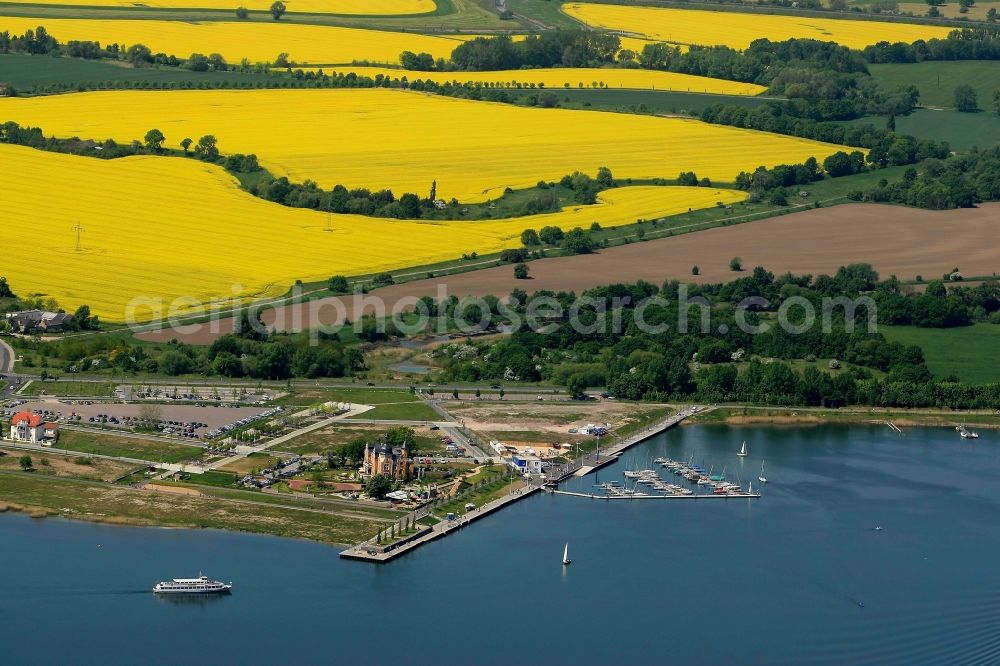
(28, 427)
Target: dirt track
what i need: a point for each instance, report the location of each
(905, 242)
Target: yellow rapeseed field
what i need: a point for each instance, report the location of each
(689, 26)
(259, 42)
(557, 78)
(163, 228)
(403, 140)
(349, 7)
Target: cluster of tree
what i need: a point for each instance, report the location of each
(249, 352)
(567, 48)
(957, 182)
(978, 43)
(707, 365)
(759, 63)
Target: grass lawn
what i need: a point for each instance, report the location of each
(936, 80)
(972, 353)
(125, 447)
(83, 389)
(254, 461)
(213, 478)
(403, 411)
(46, 495)
(311, 395)
(487, 493)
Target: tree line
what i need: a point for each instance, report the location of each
(555, 48)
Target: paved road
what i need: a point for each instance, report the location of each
(6, 358)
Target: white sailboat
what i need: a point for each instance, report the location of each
(743, 451)
(566, 559)
(762, 478)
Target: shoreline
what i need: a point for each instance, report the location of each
(745, 415)
(732, 415)
(36, 512)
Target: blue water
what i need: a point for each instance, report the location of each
(779, 580)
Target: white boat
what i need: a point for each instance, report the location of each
(743, 451)
(566, 559)
(968, 434)
(762, 478)
(199, 585)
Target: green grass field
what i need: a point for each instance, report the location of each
(83, 389)
(651, 101)
(125, 447)
(962, 131)
(26, 72)
(402, 411)
(972, 353)
(936, 81)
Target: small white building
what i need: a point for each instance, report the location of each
(526, 464)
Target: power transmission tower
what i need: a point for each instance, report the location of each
(78, 229)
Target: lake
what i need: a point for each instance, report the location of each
(799, 576)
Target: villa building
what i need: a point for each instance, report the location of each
(391, 461)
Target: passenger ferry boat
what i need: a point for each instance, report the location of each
(199, 585)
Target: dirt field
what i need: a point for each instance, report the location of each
(79, 467)
(248, 465)
(213, 416)
(541, 425)
(905, 242)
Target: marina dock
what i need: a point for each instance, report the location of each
(608, 455)
(657, 497)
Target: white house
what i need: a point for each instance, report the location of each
(28, 427)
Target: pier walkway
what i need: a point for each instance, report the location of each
(369, 551)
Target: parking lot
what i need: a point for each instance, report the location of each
(213, 418)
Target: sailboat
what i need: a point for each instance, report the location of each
(566, 559)
(743, 451)
(762, 478)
